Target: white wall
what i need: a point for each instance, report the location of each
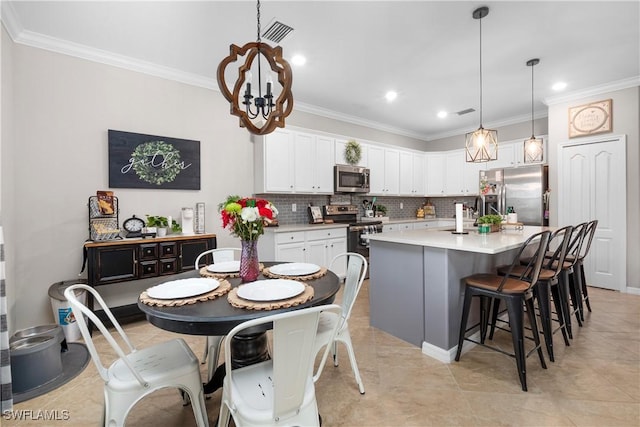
(626, 120)
(59, 155)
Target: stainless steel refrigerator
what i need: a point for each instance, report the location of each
(524, 188)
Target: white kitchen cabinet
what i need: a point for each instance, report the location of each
(313, 246)
(412, 178)
(397, 226)
(289, 161)
(273, 160)
(384, 164)
(313, 163)
(422, 225)
(340, 146)
(454, 164)
(511, 154)
(471, 177)
(436, 166)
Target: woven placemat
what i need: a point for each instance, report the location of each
(222, 289)
(267, 273)
(206, 273)
(238, 302)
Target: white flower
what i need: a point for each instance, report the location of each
(249, 214)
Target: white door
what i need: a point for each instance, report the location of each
(592, 185)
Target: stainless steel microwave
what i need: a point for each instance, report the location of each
(351, 179)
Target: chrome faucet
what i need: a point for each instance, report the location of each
(495, 210)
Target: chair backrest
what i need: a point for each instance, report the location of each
(590, 231)
(80, 311)
(219, 255)
(558, 243)
(577, 239)
(292, 355)
(356, 272)
(539, 242)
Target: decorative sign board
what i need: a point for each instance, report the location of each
(148, 161)
(590, 119)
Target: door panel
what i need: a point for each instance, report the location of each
(592, 185)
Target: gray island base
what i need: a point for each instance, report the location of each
(415, 287)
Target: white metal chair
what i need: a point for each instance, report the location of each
(279, 391)
(214, 342)
(137, 373)
(356, 272)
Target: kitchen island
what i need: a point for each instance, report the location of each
(415, 288)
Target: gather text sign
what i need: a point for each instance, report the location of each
(590, 119)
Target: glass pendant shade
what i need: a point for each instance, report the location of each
(533, 150)
(481, 145)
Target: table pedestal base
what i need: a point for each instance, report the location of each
(246, 349)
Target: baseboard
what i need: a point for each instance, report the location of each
(633, 291)
(448, 356)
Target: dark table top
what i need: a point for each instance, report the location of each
(218, 317)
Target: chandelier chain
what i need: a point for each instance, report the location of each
(258, 16)
(532, 133)
(480, 71)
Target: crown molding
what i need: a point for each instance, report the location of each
(595, 90)
(491, 125)
(330, 114)
(10, 20)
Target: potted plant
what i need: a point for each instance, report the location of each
(381, 210)
(493, 221)
(162, 223)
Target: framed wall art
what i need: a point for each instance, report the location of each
(148, 161)
(590, 119)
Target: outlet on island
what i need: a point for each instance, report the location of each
(401, 205)
(294, 208)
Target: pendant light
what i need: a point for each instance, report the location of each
(533, 147)
(481, 145)
(263, 113)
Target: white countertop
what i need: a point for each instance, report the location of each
(302, 227)
(491, 243)
(408, 220)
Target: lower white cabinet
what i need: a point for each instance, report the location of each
(313, 246)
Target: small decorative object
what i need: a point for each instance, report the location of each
(381, 210)
(161, 223)
(133, 227)
(245, 218)
(484, 186)
(198, 225)
(493, 221)
(590, 119)
(315, 215)
(187, 221)
(352, 152)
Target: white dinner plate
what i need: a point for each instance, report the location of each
(224, 267)
(270, 290)
(294, 269)
(183, 288)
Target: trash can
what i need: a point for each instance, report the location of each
(62, 309)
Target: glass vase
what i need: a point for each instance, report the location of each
(249, 265)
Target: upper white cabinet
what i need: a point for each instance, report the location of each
(511, 154)
(313, 166)
(384, 164)
(273, 160)
(436, 166)
(454, 169)
(412, 178)
(288, 161)
(340, 150)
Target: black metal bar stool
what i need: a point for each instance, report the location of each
(590, 231)
(516, 293)
(547, 283)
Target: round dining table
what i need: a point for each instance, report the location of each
(217, 317)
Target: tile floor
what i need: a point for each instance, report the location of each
(594, 382)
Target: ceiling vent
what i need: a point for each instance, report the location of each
(467, 111)
(276, 31)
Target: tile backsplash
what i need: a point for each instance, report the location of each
(445, 206)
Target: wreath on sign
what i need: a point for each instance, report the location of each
(156, 162)
(352, 152)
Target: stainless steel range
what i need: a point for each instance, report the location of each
(357, 231)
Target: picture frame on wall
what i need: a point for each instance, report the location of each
(590, 119)
(153, 162)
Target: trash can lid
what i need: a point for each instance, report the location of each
(56, 291)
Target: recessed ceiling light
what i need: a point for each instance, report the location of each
(298, 60)
(391, 95)
(442, 114)
(559, 86)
